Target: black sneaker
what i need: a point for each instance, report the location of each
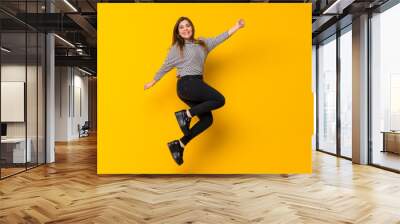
(176, 151)
(183, 121)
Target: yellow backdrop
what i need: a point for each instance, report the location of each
(263, 70)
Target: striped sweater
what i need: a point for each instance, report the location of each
(193, 59)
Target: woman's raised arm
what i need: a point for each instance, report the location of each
(169, 63)
(211, 43)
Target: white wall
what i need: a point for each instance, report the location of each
(13, 101)
(12, 73)
(62, 78)
(33, 127)
(81, 82)
(71, 93)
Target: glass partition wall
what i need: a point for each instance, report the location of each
(345, 62)
(385, 89)
(327, 95)
(22, 88)
(334, 84)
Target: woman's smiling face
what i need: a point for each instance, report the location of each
(185, 30)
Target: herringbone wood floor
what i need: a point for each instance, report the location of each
(69, 191)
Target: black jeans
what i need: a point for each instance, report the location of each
(202, 99)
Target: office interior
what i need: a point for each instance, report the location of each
(48, 82)
(48, 75)
(355, 61)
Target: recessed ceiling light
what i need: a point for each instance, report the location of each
(64, 40)
(84, 71)
(338, 6)
(5, 50)
(70, 5)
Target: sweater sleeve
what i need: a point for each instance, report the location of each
(215, 41)
(170, 62)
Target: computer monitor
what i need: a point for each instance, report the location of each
(3, 129)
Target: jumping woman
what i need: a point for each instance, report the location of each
(188, 55)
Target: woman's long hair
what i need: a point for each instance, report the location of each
(177, 39)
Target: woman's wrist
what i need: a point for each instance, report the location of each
(233, 29)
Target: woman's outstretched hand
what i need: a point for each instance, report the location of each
(240, 23)
(149, 84)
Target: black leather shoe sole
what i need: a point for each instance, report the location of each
(183, 124)
(176, 151)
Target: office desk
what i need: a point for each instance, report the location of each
(391, 141)
(13, 150)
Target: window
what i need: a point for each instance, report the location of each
(327, 95)
(346, 93)
(385, 88)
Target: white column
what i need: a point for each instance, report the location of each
(50, 92)
(360, 90)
